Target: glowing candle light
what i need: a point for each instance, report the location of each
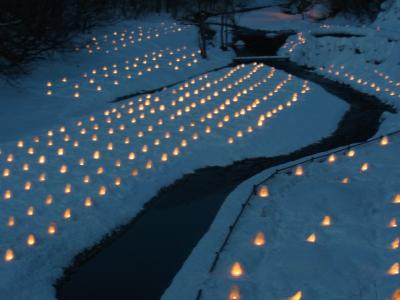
(395, 244)
(88, 202)
(20, 144)
(27, 186)
(183, 143)
(149, 165)
(236, 270)
(67, 188)
(345, 180)
(392, 223)
(10, 158)
(6, 172)
(134, 172)
(396, 199)
(326, 221)
(132, 155)
(30, 211)
(67, 214)
(364, 167)
(7, 195)
(312, 238)
(42, 159)
(351, 153)
(52, 229)
(259, 239)
(11, 221)
(331, 158)
(63, 169)
(297, 296)
(49, 200)
(117, 181)
(9, 255)
(100, 170)
(263, 191)
(234, 293)
(102, 191)
(384, 141)
(82, 162)
(31, 240)
(96, 154)
(175, 152)
(396, 295)
(299, 171)
(394, 269)
(164, 157)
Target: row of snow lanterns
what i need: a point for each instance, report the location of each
(96, 155)
(124, 39)
(292, 45)
(113, 72)
(360, 81)
(237, 270)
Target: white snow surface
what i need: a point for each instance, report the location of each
(350, 259)
(94, 166)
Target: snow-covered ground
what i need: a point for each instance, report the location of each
(331, 233)
(66, 186)
(118, 60)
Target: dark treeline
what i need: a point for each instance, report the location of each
(30, 29)
(359, 8)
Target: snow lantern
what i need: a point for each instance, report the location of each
(299, 171)
(263, 191)
(297, 296)
(395, 244)
(67, 214)
(88, 202)
(394, 269)
(9, 255)
(31, 240)
(312, 238)
(384, 141)
(234, 293)
(392, 223)
(52, 229)
(326, 221)
(351, 153)
(331, 158)
(396, 199)
(364, 167)
(259, 240)
(236, 270)
(102, 190)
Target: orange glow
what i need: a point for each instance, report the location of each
(236, 270)
(11, 221)
(52, 229)
(49, 200)
(9, 255)
(88, 202)
(263, 191)
(234, 293)
(96, 154)
(7, 195)
(259, 240)
(395, 244)
(396, 295)
(392, 223)
(332, 158)
(394, 269)
(297, 296)
(134, 172)
(102, 190)
(351, 153)
(67, 214)
(299, 171)
(396, 199)
(345, 180)
(364, 167)
(31, 240)
(326, 221)
(164, 157)
(312, 238)
(384, 141)
(149, 164)
(67, 188)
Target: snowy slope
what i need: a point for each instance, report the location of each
(72, 184)
(368, 61)
(117, 60)
(330, 233)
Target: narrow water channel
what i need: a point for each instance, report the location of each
(140, 260)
